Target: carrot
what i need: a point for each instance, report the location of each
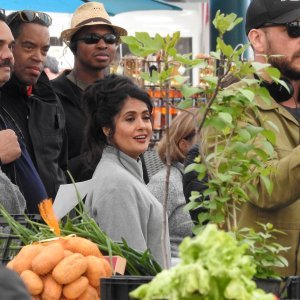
(48, 258)
(84, 246)
(70, 268)
(67, 253)
(52, 289)
(10, 264)
(89, 294)
(24, 258)
(96, 269)
(75, 288)
(33, 282)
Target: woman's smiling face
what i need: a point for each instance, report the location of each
(133, 128)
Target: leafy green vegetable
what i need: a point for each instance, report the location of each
(213, 266)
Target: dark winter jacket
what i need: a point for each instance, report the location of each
(191, 182)
(21, 172)
(70, 97)
(41, 120)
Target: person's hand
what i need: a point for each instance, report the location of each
(9, 146)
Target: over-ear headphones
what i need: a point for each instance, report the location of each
(278, 91)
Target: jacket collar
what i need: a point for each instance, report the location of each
(131, 165)
(65, 87)
(272, 104)
(42, 88)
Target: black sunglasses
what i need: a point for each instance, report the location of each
(2, 11)
(29, 16)
(94, 38)
(293, 28)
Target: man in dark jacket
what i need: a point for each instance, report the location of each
(93, 39)
(29, 98)
(15, 161)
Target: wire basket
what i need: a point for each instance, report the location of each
(10, 243)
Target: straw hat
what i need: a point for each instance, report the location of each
(89, 14)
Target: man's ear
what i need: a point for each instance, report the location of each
(257, 38)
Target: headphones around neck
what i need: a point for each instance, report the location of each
(278, 92)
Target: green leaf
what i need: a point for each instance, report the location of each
(184, 104)
(274, 73)
(269, 135)
(242, 147)
(145, 39)
(226, 117)
(244, 135)
(267, 146)
(189, 168)
(259, 66)
(180, 79)
(172, 51)
(247, 93)
(130, 40)
(254, 130)
(188, 91)
(227, 50)
(267, 183)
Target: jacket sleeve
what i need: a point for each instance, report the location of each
(286, 183)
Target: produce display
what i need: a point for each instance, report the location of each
(213, 266)
(82, 225)
(64, 268)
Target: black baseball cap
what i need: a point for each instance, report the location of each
(261, 12)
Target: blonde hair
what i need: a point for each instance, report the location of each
(183, 126)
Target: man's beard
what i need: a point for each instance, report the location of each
(285, 67)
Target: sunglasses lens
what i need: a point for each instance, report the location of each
(45, 18)
(91, 39)
(110, 38)
(293, 29)
(27, 15)
(30, 16)
(94, 38)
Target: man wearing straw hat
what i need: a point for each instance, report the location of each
(93, 40)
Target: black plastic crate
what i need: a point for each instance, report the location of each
(119, 287)
(10, 243)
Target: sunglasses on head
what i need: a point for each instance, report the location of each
(293, 28)
(94, 38)
(2, 11)
(29, 16)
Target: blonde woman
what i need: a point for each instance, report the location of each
(182, 137)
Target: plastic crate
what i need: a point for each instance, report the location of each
(119, 287)
(10, 243)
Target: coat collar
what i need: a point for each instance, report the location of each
(272, 104)
(42, 88)
(131, 165)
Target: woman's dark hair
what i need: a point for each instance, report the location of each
(102, 101)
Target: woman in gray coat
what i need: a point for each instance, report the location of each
(118, 131)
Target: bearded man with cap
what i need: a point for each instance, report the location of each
(93, 39)
(273, 28)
